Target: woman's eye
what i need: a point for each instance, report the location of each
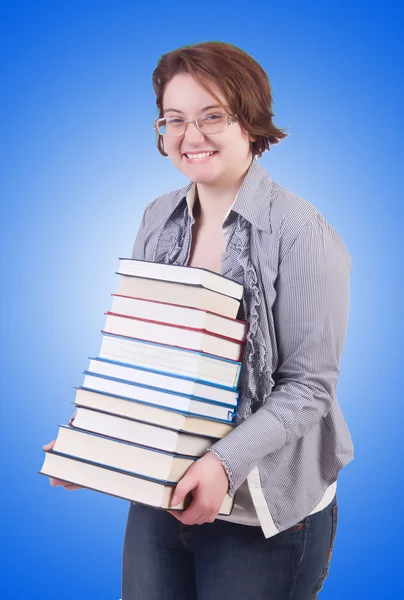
(174, 121)
(212, 117)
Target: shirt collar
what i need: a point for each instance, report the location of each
(190, 200)
(253, 200)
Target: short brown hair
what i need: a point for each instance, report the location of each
(243, 82)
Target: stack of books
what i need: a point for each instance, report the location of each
(163, 388)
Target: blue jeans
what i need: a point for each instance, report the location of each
(166, 560)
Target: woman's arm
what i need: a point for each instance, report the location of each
(311, 315)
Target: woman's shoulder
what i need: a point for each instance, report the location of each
(295, 216)
(271, 206)
(164, 205)
(290, 211)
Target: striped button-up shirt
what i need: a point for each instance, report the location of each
(291, 439)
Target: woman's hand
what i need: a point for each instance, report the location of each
(55, 482)
(209, 483)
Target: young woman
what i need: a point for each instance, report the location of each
(283, 458)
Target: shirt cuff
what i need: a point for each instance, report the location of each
(242, 449)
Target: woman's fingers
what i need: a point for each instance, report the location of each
(72, 486)
(55, 482)
(59, 482)
(49, 446)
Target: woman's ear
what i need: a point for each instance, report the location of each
(246, 134)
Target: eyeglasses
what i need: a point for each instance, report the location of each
(209, 124)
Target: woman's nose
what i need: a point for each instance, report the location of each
(192, 134)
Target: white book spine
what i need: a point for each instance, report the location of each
(163, 334)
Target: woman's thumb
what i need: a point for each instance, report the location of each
(185, 485)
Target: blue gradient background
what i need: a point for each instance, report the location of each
(78, 166)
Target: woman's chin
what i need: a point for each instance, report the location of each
(203, 176)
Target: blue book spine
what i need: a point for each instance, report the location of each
(231, 414)
(157, 389)
(174, 376)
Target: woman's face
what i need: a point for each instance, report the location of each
(232, 154)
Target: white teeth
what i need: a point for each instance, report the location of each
(201, 155)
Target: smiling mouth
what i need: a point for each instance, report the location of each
(199, 155)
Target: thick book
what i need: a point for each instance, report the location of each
(127, 389)
(157, 415)
(178, 293)
(163, 333)
(181, 274)
(114, 482)
(176, 361)
(163, 381)
(148, 462)
(137, 432)
(181, 316)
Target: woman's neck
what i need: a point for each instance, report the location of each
(213, 202)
